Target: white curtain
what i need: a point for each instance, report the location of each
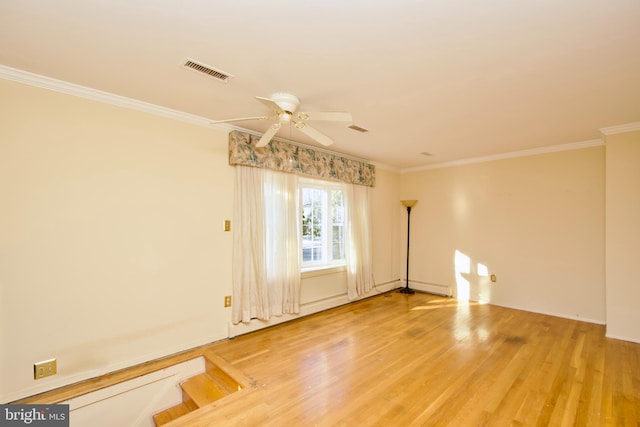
(266, 244)
(358, 240)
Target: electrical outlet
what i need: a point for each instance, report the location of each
(45, 369)
(227, 225)
(494, 278)
(227, 301)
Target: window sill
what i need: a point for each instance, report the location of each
(322, 270)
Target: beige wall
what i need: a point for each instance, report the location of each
(385, 216)
(536, 222)
(623, 236)
(112, 249)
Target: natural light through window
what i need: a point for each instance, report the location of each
(322, 224)
(483, 271)
(462, 265)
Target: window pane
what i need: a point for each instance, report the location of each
(337, 229)
(322, 224)
(338, 242)
(312, 224)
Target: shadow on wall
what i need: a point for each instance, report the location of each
(471, 285)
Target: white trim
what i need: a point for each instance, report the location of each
(617, 337)
(58, 381)
(55, 85)
(384, 166)
(547, 313)
(98, 95)
(182, 371)
(509, 155)
(612, 130)
(306, 310)
(430, 288)
(325, 270)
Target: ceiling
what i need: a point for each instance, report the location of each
(458, 79)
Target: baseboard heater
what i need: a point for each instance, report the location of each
(430, 288)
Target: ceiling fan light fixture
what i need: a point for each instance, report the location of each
(285, 117)
(284, 106)
(287, 102)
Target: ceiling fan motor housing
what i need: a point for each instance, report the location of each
(286, 101)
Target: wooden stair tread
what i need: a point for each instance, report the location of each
(202, 389)
(172, 413)
(219, 380)
(238, 379)
(223, 379)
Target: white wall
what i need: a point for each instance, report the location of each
(536, 222)
(623, 236)
(112, 249)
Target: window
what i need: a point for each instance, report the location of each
(322, 224)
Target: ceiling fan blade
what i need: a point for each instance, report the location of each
(334, 116)
(270, 103)
(268, 135)
(314, 133)
(241, 119)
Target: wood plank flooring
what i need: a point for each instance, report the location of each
(426, 360)
(411, 360)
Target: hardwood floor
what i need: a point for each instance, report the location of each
(426, 360)
(405, 360)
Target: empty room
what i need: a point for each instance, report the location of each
(329, 213)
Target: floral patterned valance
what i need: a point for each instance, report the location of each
(285, 157)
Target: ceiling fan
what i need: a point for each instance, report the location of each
(284, 107)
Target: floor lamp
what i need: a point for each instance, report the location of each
(408, 204)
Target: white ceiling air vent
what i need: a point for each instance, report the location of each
(190, 64)
(358, 128)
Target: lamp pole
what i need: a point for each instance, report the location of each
(408, 204)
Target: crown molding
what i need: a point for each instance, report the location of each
(60, 86)
(510, 155)
(630, 127)
(386, 167)
(55, 85)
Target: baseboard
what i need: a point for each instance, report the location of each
(69, 380)
(307, 309)
(430, 288)
(548, 313)
(618, 337)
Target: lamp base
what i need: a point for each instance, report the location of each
(407, 291)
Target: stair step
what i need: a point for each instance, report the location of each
(172, 413)
(220, 379)
(224, 380)
(202, 389)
